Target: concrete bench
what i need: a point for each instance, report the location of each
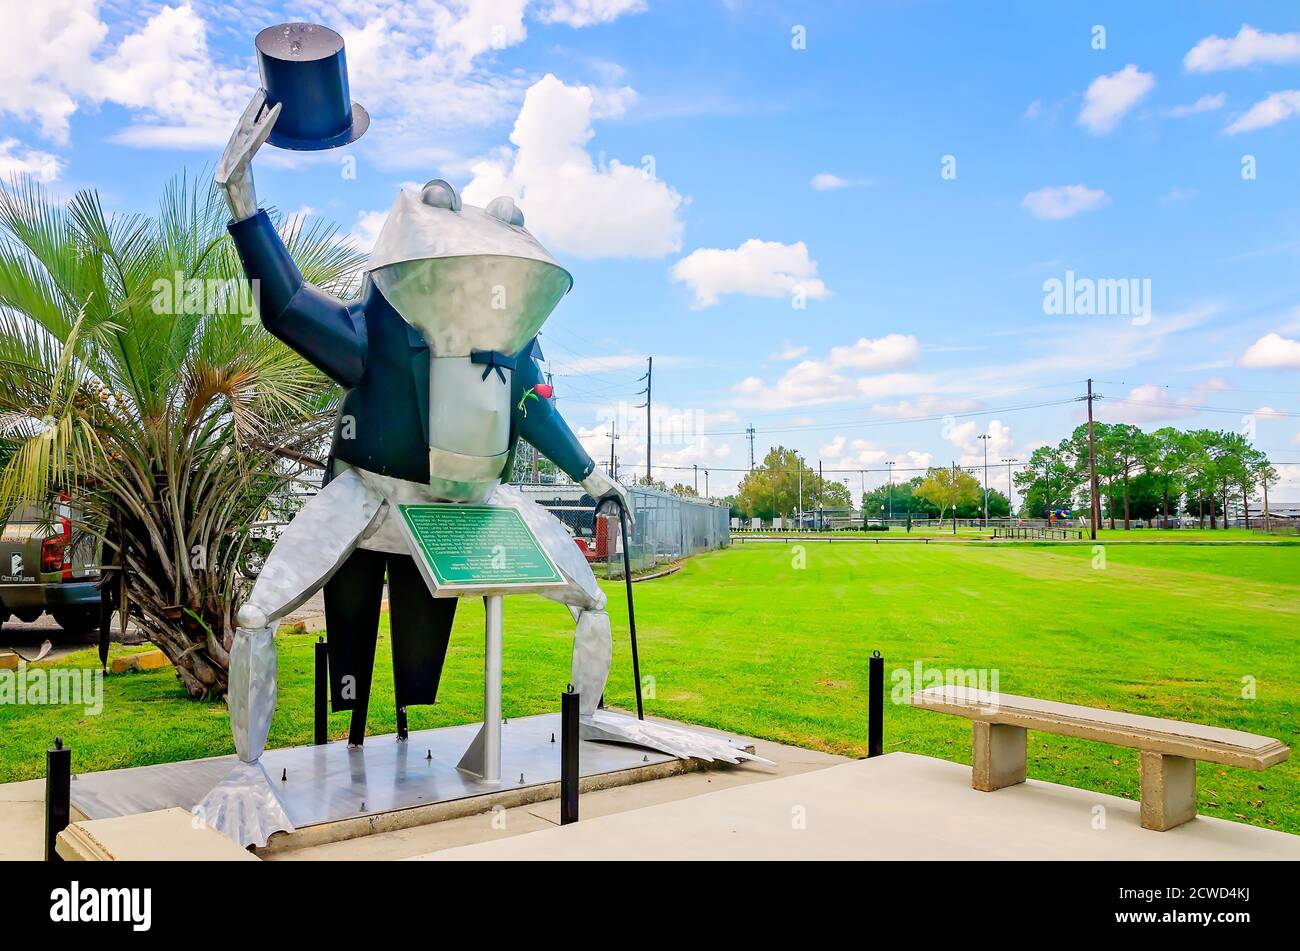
(1168, 749)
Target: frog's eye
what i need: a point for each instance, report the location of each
(440, 194)
(506, 209)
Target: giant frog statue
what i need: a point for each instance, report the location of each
(437, 358)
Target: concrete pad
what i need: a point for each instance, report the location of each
(899, 806)
(22, 821)
(494, 823)
(167, 835)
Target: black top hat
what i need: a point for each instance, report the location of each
(304, 69)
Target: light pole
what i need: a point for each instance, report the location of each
(1009, 463)
(799, 461)
(984, 438)
(890, 469)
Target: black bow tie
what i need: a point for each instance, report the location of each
(492, 360)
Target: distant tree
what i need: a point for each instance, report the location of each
(685, 491)
(946, 489)
(999, 506)
(1049, 481)
(1127, 446)
(1168, 454)
(773, 489)
(897, 498)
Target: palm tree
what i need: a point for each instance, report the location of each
(135, 377)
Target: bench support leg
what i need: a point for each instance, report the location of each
(1168, 790)
(997, 755)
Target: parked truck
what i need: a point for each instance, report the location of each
(45, 569)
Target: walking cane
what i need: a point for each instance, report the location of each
(631, 613)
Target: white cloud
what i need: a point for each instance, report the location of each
(53, 58)
(807, 383)
(928, 404)
(578, 13)
(1063, 201)
(788, 351)
(893, 384)
(45, 49)
(1176, 195)
(365, 230)
(1275, 108)
(826, 181)
(17, 159)
(573, 205)
(920, 460)
(755, 269)
(1272, 351)
(415, 64)
(1204, 104)
(844, 453)
(1150, 403)
(884, 353)
(1249, 47)
(1110, 97)
(965, 438)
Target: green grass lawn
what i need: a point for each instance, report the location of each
(742, 640)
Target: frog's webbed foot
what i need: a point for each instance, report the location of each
(677, 741)
(244, 806)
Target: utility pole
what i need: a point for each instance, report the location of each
(984, 438)
(649, 370)
(1095, 514)
(1009, 463)
(706, 484)
(696, 468)
(890, 469)
(613, 435)
(750, 433)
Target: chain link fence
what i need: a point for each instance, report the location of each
(667, 527)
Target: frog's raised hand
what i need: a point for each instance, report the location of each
(234, 171)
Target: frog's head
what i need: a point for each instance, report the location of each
(467, 278)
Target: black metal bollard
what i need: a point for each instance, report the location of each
(58, 795)
(569, 776)
(875, 704)
(322, 692)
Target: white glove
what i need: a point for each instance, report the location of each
(601, 488)
(234, 172)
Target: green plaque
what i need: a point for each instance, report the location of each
(476, 549)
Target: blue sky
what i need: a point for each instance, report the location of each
(761, 196)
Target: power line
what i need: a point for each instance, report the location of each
(890, 421)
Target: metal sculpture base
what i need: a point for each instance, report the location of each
(483, 758)
(331, 783)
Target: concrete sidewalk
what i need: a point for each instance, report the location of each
(899, 806)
